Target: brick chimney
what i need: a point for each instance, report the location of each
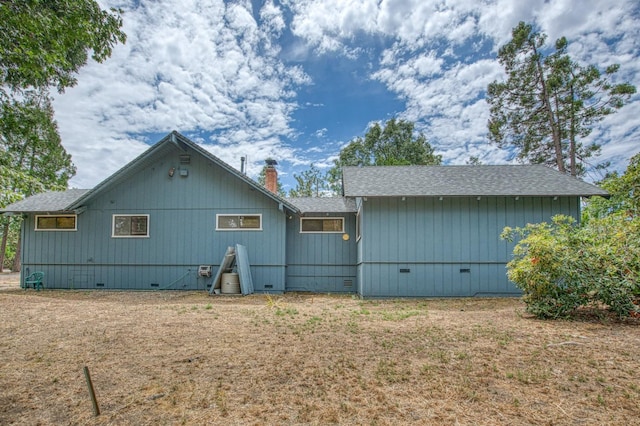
(271, 176)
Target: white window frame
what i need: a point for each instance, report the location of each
(113, 225)
(75, 223)
(238, 215)
(340, 218)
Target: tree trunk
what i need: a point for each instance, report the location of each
(16, 260)
(3, 244)
(572, 136)
(545, 96)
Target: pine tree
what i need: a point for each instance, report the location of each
(548, 103)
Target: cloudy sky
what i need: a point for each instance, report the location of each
(295, 80)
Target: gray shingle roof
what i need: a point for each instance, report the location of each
(324, 204)
(54, 201)
(504, 180)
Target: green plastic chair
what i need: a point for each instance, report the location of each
(34, 280)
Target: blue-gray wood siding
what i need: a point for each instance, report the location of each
(429, 247)
(359, 244)
(321, 262)
(182, 232)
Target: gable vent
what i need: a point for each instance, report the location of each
(185, 159)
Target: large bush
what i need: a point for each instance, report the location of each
(561, 266)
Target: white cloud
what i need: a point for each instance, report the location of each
(207, 67)
(189, 65)
(445, 97)
(271, 17)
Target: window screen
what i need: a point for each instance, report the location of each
(239, 222)
(130, 225)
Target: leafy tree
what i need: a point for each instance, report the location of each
(624, 193)
(548, 103)
(31, 143)
(45, 43)
(310, 183)
(395, 144)
(474, 161)
(32, 158)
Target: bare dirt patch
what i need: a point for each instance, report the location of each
(188, 358)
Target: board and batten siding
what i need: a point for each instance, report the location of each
(182, 231)
(427, 247)
(321, 262)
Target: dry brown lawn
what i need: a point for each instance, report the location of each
(189, 358)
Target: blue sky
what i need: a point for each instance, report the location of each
(296, 80)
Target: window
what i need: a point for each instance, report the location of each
(334, 224)
(236, 222)
(130, 225)
(56, 223)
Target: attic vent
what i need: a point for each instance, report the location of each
(185, 159)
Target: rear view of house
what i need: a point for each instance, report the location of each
(406, 231)
(153, 223)
(433, 231)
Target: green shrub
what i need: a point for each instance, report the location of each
(562, 266)
(613, 263)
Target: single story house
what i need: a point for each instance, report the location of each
(397, 231)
